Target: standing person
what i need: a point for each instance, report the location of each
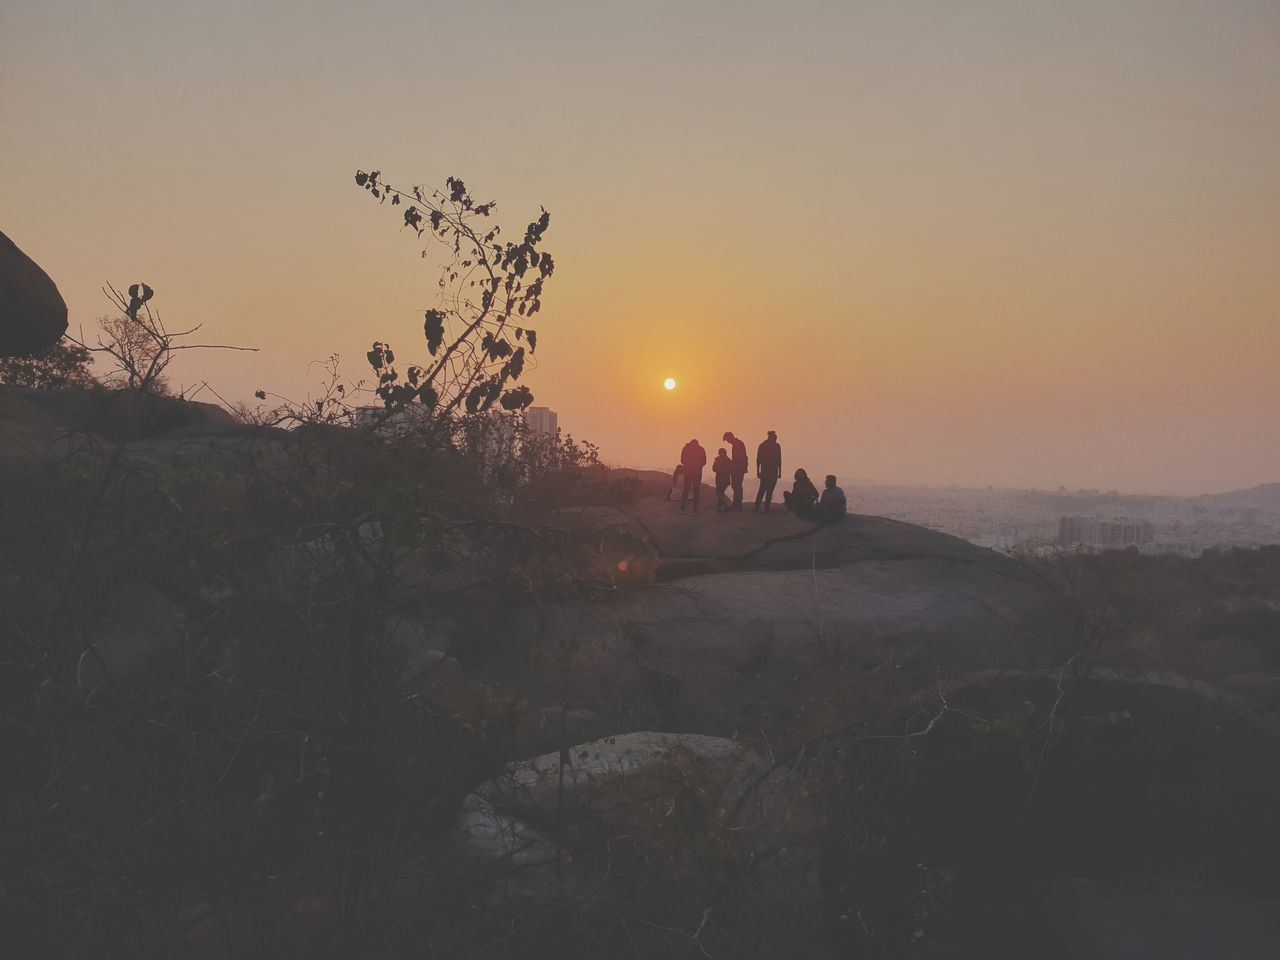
(802, 496)
(739, 460)
(693, 458)
(768, 469)
(722, 468)
(833, 505)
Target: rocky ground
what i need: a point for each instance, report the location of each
(733, 735)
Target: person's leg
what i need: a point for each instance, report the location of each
(697, 489)
(684, 492)
(737, 490)
(788, 501)
(765, 493)
(722, 502)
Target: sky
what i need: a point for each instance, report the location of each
(1010, 243)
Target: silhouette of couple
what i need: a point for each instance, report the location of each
(804, 501)
(729, 468)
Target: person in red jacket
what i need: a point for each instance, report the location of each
(693, 458)
(738, 456)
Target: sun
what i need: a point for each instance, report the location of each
(669, 383)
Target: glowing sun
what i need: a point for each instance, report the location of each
(669, 383)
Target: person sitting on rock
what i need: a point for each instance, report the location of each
(802, 496)
(833, 505)
(677, 481)
(722, 468)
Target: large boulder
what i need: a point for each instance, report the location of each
(33, 315)
(936, 609)
(729, 542)
(685, 833)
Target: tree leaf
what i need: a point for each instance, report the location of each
(433, 327)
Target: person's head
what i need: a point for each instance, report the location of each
(801, 475)
(722, 451)
(728, 436)
(831, 480)
(773, 434)
(694, 441)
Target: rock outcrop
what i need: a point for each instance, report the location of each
(33, 315)
(126, 415)
(566, 824)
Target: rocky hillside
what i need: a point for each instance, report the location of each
(320, 692)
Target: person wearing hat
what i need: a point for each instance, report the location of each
(768, 469)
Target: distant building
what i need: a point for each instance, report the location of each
(403, 421)
(542, 420)
(500, 435)
(1104, 534)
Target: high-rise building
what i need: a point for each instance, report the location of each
(542, 420)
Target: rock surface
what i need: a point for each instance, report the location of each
(675, 802)
(700, 653)
(127, 415)
(33, 315)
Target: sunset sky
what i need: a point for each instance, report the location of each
(1013, 243)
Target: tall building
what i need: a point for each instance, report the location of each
(542, 420)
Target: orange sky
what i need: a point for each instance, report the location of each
(1018, 243)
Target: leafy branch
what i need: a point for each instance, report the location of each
(489, 289)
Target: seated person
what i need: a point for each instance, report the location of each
(677, 482)
(802, 496)
(833, 505)
(722, 468)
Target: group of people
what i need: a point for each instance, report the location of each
(730, 467)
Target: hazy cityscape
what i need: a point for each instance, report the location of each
(1030, 520)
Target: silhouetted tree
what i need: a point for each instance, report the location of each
(490, 289)
(65, 364)
(139, 344)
